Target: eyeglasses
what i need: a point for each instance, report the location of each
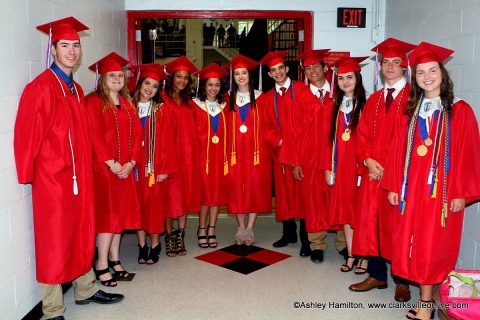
(116, 75)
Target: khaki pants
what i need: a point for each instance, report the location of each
(52, 295)
(317, 240)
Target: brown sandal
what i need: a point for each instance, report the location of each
(170, 248)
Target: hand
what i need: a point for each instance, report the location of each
(126, 169)
(114, 166)
(162, 177)
(298, 173)
(457, 205)
(328, 174)
(280, 143)
(393, 198)
(374, 168)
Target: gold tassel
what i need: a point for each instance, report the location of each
(444, 213)
(225, 168)
(151, 179)
(434, 194)
(206, 167)
(256, 158)
(233, 158)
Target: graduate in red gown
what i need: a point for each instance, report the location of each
(432, 174)
(117, 129)
(284, 109)
(249, 179)
(313, 188)
(176, 97)
(339, 159)
(374, 136)
(209, 107)
(157, 164)
(53, 152)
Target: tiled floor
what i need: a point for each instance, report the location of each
(270, 286)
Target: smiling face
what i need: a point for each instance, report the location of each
(180, 80)
(115, 80)
(241, 77)
(212, 88)
(391, 70)
(148, 89)
(429, 77)
(66, 54)
(315, 73)
(346, 82)
(278, 73)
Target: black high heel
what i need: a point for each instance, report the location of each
(142, 254)
(202, 240)
(180, 242)
(118, 275)
(170, 247)
(154, 254)
(412, 311)
(345, 267)
(213, 237)
(107, 283)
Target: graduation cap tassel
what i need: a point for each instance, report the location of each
(377, 70)
(333, 83)
(96, 78)
(260, 79)
(49, 46)
(198, 85)
(409, 73)
(231, 79)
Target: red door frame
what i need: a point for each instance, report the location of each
(132, 16)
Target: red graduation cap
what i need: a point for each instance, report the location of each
(240, 61)
(212, 71)
(351, 64)
(153, 71)
(427, 52)
(332, 57)
(392, 48)
(109, 63)
(273, 58)
(310, 57)
(181, 63)
(63, 29)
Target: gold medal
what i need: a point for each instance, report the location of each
(428, 142)
(346, 135)
(422, 150)
(243, 128)
(215, 139)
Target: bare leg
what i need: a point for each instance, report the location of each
(212, 222)
(202, 227)
(426, 295)
(348, 231)
(114, 254)
(142, 237)
(240, 235)
(169, 225)
(104, 241)
(249, 235)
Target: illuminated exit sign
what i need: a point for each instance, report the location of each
(351, 17)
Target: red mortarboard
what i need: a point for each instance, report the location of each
(63, 29)
(310, 57)
(273, 58)
(332, 57)
(427, 52)
(109, 63)
(212, 71)
(181, 63)
(240, 61)
(351, 64)
(391, 48)
(153, 71)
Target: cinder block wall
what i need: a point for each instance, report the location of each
(22, 56)
(455, 25)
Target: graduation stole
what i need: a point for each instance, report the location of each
(215, 140)
(442, 138)
(152, 133)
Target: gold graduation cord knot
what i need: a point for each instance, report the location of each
(151, 179)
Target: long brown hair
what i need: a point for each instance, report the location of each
(251, 91)
(157, 98)
(446, 91)
(358, 100)
(104, 93)
(202, 94)
(184, 94)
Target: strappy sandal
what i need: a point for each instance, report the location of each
(202, 240)
(118, 275)
(154, 254)
(249, 236)
(107, 283)
(142, 254)
(345, 267)
(414, 312)
(240, 236)
(212, 239)
(170, 248)
(359, 269)
(180, 242)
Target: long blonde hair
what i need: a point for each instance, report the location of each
(104, 93)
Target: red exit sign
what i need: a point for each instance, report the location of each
(351, 17)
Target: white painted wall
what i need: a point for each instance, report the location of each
(326, 33)
(455, 25)
(22, 55)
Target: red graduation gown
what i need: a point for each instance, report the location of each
(63, 222)
(162, 198)
(423, 250)
(291, 118)
(373, 138)
(212, 185)
(116, 203)
(188, 152)
(249, 185)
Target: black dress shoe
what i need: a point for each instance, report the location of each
(102, 297)
(317, 256)
(283, 242)
(57, 318)
(305, 251)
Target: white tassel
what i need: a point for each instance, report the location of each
(75, 185)
(260, 79)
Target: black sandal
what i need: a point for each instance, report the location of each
(154, 254)
(107, 283)
(202, 240)
(345, 267)
(213, 237)
(142, 254)
(170, 248)
(359, 269)
(118, 275)
(180, 242)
